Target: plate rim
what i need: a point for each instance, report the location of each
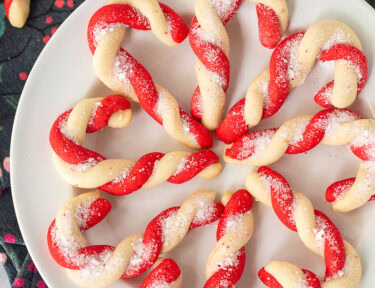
(17, 123)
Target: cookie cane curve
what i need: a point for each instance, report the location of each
(17, 12)
(331, 126)
(123, 74)
(277, 274)
(102, 265)
(226, 262)
(290, 63)
(85, 168)
(210, 43)
(166, 274)
(315, 229)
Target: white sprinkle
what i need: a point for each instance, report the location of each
(74, 218)
(294, 65)
(331, 123)
(181, 166)
(185, 125)
(282, 194)
(101, 29)
(257, 145)
(205, 211)
(81, 167)
(141, 254)
(160, 284)
(337, 38)
(298, 129)
(64, 130)
(224, 8)
(229, 262)
(96, 106)
(231, 224)
(123, 67)
(121, 177)
(173, 226)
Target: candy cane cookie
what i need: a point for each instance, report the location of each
(291, 61)
(167, 274)
(123, 74)
(315, 229)
(330, 126)
(210, 43)
(85, 168)
(102, 265)
(17, 12)
(226, 262)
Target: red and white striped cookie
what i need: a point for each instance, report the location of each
(85, 168)
(210, 43)
(102, 265)
(331, 126)
(123, 74)
(226, 262)
(290, 63)
(315, 229)
(17, 11)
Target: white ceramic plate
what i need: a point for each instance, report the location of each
(64, 75)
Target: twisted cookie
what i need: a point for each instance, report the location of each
(85, 168)
(102, 265)
(290, 63)
(227, 259)
(210, 43)
(331, 127)
(17, 11)
(316, 230)
(118, 70)
(166, 274)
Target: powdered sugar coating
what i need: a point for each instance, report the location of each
(228, 262)
(123, 67)
(339, 37)
(84, 166)
(101, 29)
(365, 138)
(96, 106)
(121, 177)
(294, 64)
(160, 284)
(66, 132)
(224, 8)
(256, 146)
(141, 254)
(331, 123)
(298, 130)
(64, 232)
(231, 223)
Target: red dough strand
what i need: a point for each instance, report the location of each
(281, 73)
(211, 56)
(166, 272)
(75, 154)
(152, 239)
(269, 27)
(7, 4)
(311, 137)
(240, 203)
(139, 78)
(335, 190)
(214, 58)
(282, 203)
(98, 211)
(312, 281)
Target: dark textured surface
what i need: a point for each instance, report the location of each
(19, 49)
